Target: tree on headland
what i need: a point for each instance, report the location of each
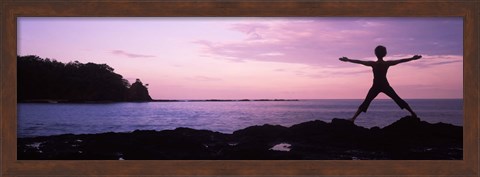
(46, 79)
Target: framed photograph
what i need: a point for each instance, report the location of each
(239, 88)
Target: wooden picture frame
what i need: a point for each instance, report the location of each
(10, 166)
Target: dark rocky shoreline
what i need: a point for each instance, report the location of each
(406, 139)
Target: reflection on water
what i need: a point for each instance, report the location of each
(39, 119)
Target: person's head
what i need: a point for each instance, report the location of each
(380, 51)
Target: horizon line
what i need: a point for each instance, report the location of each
(253, 99)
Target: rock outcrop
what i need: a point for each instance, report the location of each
(138, 92)
(407, 138)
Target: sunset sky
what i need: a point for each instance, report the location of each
(256, 58)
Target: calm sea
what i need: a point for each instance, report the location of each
(40, 119)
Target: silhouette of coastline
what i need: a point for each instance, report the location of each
(408, 138)
(49, 81)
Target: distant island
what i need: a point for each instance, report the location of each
(46, 80)
(406, 139)
(225, 100)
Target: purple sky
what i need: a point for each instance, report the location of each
(236, 58)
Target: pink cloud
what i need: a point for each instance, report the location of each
(130, 55)
(322, 42)
(429, 61)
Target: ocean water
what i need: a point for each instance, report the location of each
(42, 119)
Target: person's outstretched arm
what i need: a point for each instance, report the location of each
(394, 62)
(366, 63)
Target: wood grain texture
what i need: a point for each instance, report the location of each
(10, 10)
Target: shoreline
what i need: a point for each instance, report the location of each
(407, 138)
(53, 101)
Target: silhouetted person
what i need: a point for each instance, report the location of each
(380, 82)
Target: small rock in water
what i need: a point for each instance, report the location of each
(35, 145)
(281, 147)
